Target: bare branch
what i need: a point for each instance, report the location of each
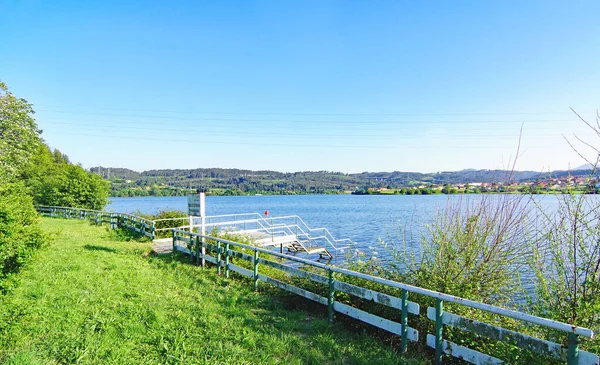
(576, 150)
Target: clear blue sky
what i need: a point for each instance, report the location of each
(306, 85)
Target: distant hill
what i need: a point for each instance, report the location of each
(125, 182)
(587, 166)
(112, 172)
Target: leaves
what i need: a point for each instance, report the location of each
(19, 134)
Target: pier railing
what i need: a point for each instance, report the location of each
(256, 224)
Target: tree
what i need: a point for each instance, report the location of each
(19, 134)
(72, 186)
(19, 139)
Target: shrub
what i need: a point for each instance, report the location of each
(19, 231)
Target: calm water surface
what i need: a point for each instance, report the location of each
(363, 218)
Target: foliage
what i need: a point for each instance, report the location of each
(567, 260)
(107, 302)
(19, 231)
(19, 134)
(473, 249)
(53, 180)
(73, 187)
(19, 138)
(166, 219)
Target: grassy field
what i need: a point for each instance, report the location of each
(89, 297)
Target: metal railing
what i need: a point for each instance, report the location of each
(292, 225)
(200, 247)
(137, 224)
(258, 226)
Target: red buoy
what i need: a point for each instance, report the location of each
(266, 212)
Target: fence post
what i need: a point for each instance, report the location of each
(573, 349)
(173, 234)
(331, 296)
(197, 250)
(191, 246)
(153, 237)
(203, 250)
(404, 321)
(227, 260)
(439, 327)
(218, 257)
(255, 270)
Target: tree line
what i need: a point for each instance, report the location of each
(177, 182)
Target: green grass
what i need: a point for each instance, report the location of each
(91, 298)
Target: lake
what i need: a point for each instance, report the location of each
(363, 218)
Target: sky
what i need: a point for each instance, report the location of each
(346, 86)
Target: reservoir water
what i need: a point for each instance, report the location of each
(363, 218)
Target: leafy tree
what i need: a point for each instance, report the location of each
(72, 186)
(53, 180)
(19, 134)
(19, 139)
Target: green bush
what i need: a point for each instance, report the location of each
(20, 234)
(53, 180)
(161, 225)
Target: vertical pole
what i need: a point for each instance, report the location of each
(153, 230)
(173, 235)
(191, 246)
(439, 327)
(197, 245)
(227, 260)
(255, 271)
(573, 349)
(404, 321)
(202, 252)
(203, 223)
(331, 296)
(218, 257)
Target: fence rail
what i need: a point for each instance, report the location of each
(199, 248)
(137, 224)
(220, 252)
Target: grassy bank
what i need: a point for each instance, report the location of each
(91, 298)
